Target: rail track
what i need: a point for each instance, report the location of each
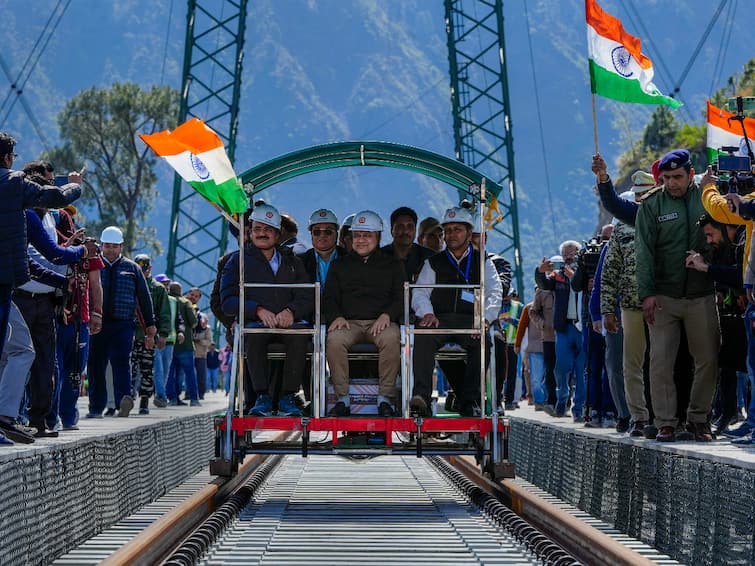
(385, 510)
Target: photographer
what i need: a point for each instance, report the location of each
(18, 194)
(570, 356)
(39, 302)
(599, 399)
(727, 243)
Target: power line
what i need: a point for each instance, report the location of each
(723, 47)
(14, 83)
(657, 56)
(19, 90)
(540, 122)
(699, 46)
(167, 36)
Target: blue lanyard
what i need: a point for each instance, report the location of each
(453, 261)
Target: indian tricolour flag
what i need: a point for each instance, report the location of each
(725, 132)
(618, 69)
(197, 154)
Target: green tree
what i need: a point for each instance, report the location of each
(99, 128)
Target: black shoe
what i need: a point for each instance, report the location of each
(46, 434)
(650, 431)
(339, 410)
(722, 424)
(144, 406)
(110, 412)
(180, 403)
(420, 407)
(638, 429)
(684, 432)
(470, 409)
(13, 432)
(666, 434)
(452, 403)
(385, 410)
(622, 424)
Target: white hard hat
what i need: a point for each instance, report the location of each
(267, 214)
(458, 214)
(366, 221)
(348, 220)
(111, 235)
(323, 215)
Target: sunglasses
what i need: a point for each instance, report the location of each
(323, 232)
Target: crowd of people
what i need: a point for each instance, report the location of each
(647, 328)
(77, 315)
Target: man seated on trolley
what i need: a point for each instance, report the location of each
(266, 262)
(458, 264)
(362, 302)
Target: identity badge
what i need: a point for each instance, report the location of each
(467, 296)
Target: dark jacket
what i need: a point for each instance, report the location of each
(16, 194)
(414, 260)
(666, 231)
(363, 289)
(188, 322)
(215, 303)
(49, 248)
(161, 307)
(275, 299)
(561, 287)
(310, 263)
(624, 210)
(123, 287)
(446, 301)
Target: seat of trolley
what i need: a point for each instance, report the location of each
(367, 351)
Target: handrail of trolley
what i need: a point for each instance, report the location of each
(477, 329)
(313, 331)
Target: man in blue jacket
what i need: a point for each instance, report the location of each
(18, 193)
(265, 261)
(124, 289)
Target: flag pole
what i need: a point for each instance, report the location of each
(594, 124)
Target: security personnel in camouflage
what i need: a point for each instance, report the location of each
(673, 295)
(618, 284)
(143, 355)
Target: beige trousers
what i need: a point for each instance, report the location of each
(634, 360)
(337, 346)
(700, 320)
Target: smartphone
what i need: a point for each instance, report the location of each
(61, 180)
(557, 265)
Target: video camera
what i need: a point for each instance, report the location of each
(589, 256)
(737, 168)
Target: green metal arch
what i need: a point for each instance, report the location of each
(361, 154)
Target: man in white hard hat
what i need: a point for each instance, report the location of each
(267, 262)
(363, 302)
(452, 308)
(124, 291)
(323, 228)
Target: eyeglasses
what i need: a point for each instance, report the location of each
(323, 232)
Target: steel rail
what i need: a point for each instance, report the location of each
(585, 542)
(155, 542)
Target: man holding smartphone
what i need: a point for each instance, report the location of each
(570, 356)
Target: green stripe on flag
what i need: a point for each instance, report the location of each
(229, 195)
(608, 84)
